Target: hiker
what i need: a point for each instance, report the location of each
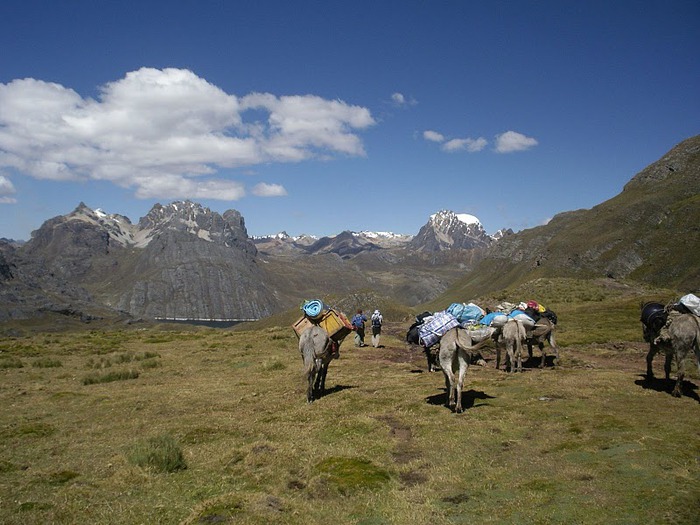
(377, 320)
(358, 324)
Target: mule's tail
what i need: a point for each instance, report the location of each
(522, 335)
(464, 340)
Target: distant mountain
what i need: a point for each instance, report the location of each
(650, 233)
(447, 230)
(180, 260)
(184, 260)
(346, 244)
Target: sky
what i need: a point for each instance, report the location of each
(315, 117)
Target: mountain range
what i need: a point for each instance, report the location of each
(183, 260)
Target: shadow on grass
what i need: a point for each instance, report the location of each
(336, 389)
(468, 398)
(657, 384)
(536, 359)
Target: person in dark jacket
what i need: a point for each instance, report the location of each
(358, 324)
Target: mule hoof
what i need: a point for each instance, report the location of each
(676, 393)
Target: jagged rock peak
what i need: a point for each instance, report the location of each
(446, 230)
(448, 219)
(192, 218)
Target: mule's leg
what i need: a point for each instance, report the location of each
(555, 348)
(429, 359)
(543, 362)
(653, 349)
(529, 349)
(510, 357)
(463, 360)
(677, 392)
(667, 363)
(310, 375)
(446, 364)
(322, 379)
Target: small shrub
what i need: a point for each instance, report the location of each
(61, 477)
(11, 362)
(103, 362)
(273, 365)
(161, 453)
(126, 357)
(47, 363)
(118, 375)
(150, 364)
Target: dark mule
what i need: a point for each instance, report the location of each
(653, 319)
(542, 333)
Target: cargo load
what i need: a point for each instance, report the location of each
(313, 308)
(435, 327)
(494, 319)
(464, 312)
(692, 303)
(335, 324)
(519, 315)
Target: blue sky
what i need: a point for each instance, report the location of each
(319, 116)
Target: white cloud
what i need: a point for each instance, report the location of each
(471, 145)
(167, 132)
(400, 100)
(6, 189)
(512, 141)
(433, 136)
(263, 189)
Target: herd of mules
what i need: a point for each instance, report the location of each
(674, 333)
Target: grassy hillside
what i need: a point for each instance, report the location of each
(157, 425)
(650, 233)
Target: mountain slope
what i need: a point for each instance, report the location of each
(181, 260)
(650, 232)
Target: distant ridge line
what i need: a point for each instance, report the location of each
(201, 319)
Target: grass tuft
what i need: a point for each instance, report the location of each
(121, 375)
(350, 474)
(161, 454)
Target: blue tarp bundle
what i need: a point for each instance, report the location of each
(495, 319)
(464, 312)
(313, 308)
(521, 316)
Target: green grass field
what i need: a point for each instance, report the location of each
(212, 426)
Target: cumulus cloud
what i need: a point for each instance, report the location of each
(470, 145)
(167, 133)
(263, 189)
(400, 100)
(512, 141)
(452, 145)
(6, 189)
(433, 136)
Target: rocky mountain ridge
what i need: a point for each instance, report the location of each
(183, 260)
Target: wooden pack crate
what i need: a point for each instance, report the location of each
(334, 323)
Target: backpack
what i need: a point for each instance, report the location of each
(357, 321)
(376, 321)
